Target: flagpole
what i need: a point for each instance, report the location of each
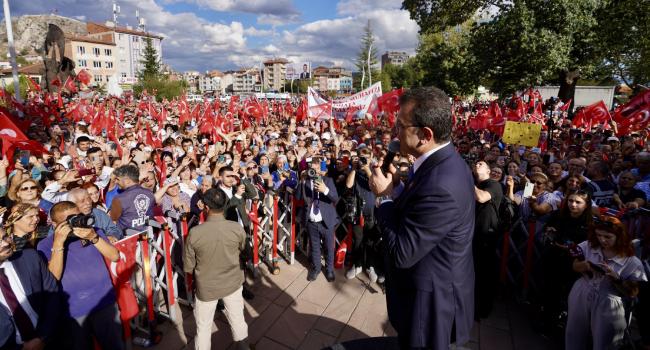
(12, 49)
(369, 69)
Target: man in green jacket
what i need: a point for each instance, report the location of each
(211, 253)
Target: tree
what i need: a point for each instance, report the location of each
(446, 60)
(367, 58)
(149, 61)
(163, 87)
(519, 43)
(407, 75)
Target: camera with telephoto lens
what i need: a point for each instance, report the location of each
(313, 175)
(81, 221)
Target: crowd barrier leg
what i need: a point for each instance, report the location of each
(505, 253)
(273, 263)
(292, 249)
(254, 233)
(171, 295)
(146, 261)
(530, 245)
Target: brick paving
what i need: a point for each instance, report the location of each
(290, 313)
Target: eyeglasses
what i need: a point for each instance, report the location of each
(30, 188)
(247, 154)
(252, 167)
(539, 182)
(399, 126)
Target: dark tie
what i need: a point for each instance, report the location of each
(316, 197)
(23, 322)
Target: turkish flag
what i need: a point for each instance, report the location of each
(121, 272)
(596, 113)
(9, 133)
(83, 77)
(638, 104)
(70, 86)
(497, 121)
(566, 105)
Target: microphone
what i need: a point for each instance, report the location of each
(393, 148)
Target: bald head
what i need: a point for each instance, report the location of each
(82, 199)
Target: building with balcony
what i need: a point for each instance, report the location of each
(396, 58)
(95, 55)
(336, 79)
(274, 74)
(210, 83)
(247, 81)
(129, 47)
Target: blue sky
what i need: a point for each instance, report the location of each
(228, 34)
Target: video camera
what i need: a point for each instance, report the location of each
(81, 221)
(313, 175)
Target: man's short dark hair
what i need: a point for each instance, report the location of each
(186, 140)
(224, 169)
(128, 170)
(431, 109)
(215, 199)
(93, 150)
(83, 138)
(57, 210)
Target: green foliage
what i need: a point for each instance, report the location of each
(520, 43)
(21, 61)
(447, 61)
(299, 86)
(407, 75)
(163, 87)
(23, 84)
(150, 62)
(367, 50)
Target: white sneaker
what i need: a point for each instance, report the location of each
(353, 272)
(372, 274)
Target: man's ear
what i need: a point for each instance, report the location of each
(425, 134)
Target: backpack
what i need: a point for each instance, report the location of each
(506, 213)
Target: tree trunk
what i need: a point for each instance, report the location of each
(568, 82)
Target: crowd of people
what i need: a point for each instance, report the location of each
(106, 166)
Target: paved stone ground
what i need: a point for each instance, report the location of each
(289, 312)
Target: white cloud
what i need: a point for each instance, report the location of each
(252, 31)
(277, 7)
(278, 20)
(271, 49)
(354, 7)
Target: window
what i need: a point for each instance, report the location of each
(96, 51)
(107, 77)
(119, 36)
(135, 39)
(97, 64)
(81, 50)
(108, 52)
(82, 63)
(98, 78)
(123, 75)
(108, 64)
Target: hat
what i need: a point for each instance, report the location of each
(127, 126)
(82, 123)
(613, 138)
(64, 161)
(274, 135)
(361, 146)
(326, 136)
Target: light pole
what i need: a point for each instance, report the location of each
(12, 50)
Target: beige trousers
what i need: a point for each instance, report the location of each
(204, 316)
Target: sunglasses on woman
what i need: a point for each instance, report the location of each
(30, 188)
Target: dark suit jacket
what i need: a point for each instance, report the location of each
(428, 236)
(234, 204)
(42, 292)
(327, 205)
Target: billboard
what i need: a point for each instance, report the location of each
(299, 70)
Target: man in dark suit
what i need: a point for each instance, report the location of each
(237, 195)
(320, 217)
(427, 225)
(305, 72)
(28, 324)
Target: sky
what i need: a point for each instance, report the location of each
(204, 35)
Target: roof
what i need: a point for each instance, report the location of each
(95, 28)
(276, 60)
(87, 39)
(32, 69)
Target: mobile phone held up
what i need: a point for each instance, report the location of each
(86, 172)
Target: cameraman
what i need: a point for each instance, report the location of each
(319, 216)
(359, 211)
(75, 255)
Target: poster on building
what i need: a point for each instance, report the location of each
(298, 71)
(359, 102)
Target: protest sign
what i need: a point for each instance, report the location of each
(519, 133)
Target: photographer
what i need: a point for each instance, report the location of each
(75, 255)
(319, 216)
(359, 210)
